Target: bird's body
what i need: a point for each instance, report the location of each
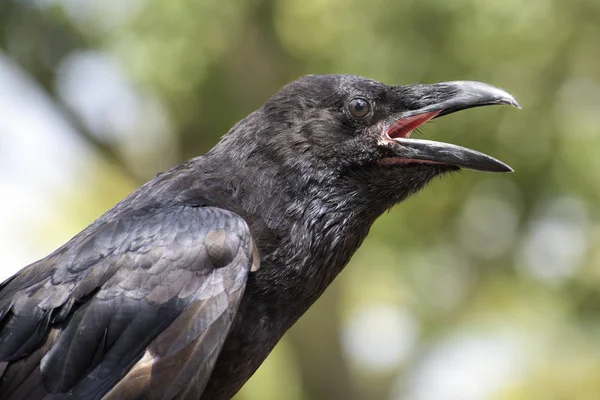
(182, 289)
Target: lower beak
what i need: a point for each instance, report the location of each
(431, 152)
(437, 100)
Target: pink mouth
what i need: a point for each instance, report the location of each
(405, 126)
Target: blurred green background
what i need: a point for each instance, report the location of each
(482, 287)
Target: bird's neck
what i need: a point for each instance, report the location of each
(303, 246)
(306, 223)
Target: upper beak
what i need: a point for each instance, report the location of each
(442, 99)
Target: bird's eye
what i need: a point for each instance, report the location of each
(359, 107)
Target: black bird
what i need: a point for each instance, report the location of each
(162, 297)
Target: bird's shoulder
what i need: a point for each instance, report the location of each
(156, 240)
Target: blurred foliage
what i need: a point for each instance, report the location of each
(480, 287)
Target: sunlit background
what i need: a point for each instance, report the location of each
(482, 287)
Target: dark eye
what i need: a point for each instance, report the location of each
(359, 107)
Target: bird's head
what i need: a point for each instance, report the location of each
(351, 136)
(362, 128)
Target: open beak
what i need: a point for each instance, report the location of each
(437, 100)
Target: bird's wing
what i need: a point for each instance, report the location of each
(136, 308)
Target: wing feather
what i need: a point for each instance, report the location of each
(126, 306)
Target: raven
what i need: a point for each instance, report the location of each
(183, 288)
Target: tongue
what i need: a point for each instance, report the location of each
(404, 127)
